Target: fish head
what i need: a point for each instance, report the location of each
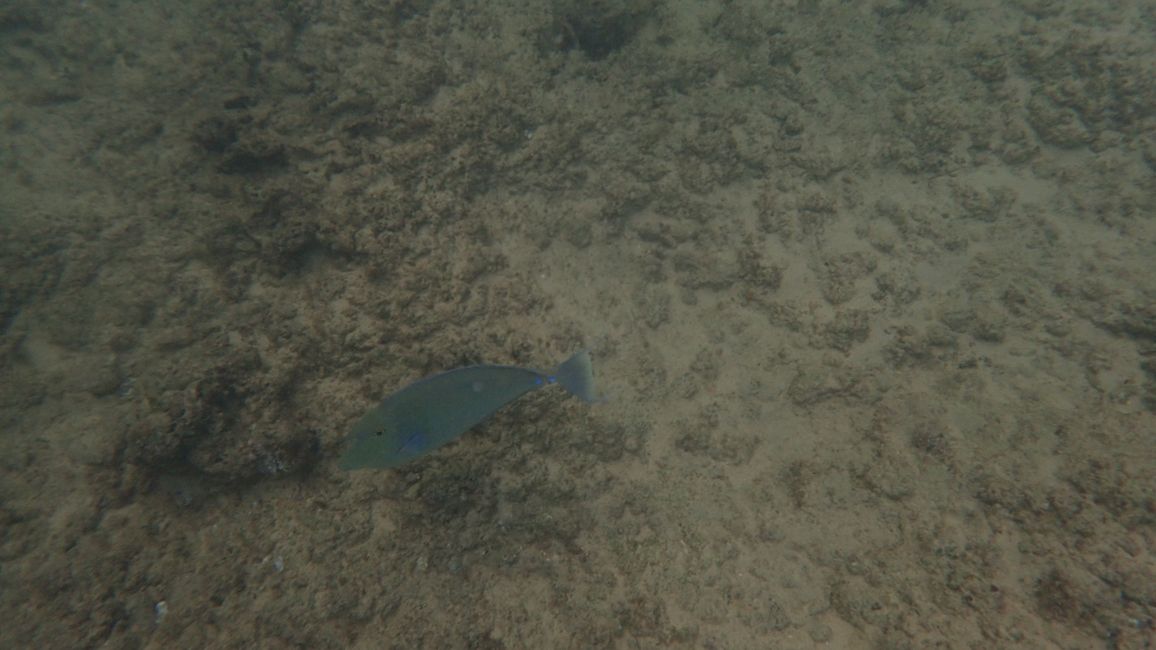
(378, 440)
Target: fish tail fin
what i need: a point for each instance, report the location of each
(577, 376)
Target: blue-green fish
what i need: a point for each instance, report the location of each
(433, 411)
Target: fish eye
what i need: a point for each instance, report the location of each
(379, 432)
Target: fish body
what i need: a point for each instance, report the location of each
(433, 411)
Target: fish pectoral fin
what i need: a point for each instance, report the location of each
(414, 443)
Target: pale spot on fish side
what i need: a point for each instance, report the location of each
(478, 386)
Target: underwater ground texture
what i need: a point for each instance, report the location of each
(870, 287)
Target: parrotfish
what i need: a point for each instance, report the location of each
(430, 412)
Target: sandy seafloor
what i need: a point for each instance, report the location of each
(871, 287)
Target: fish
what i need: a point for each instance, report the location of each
(431, 412)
